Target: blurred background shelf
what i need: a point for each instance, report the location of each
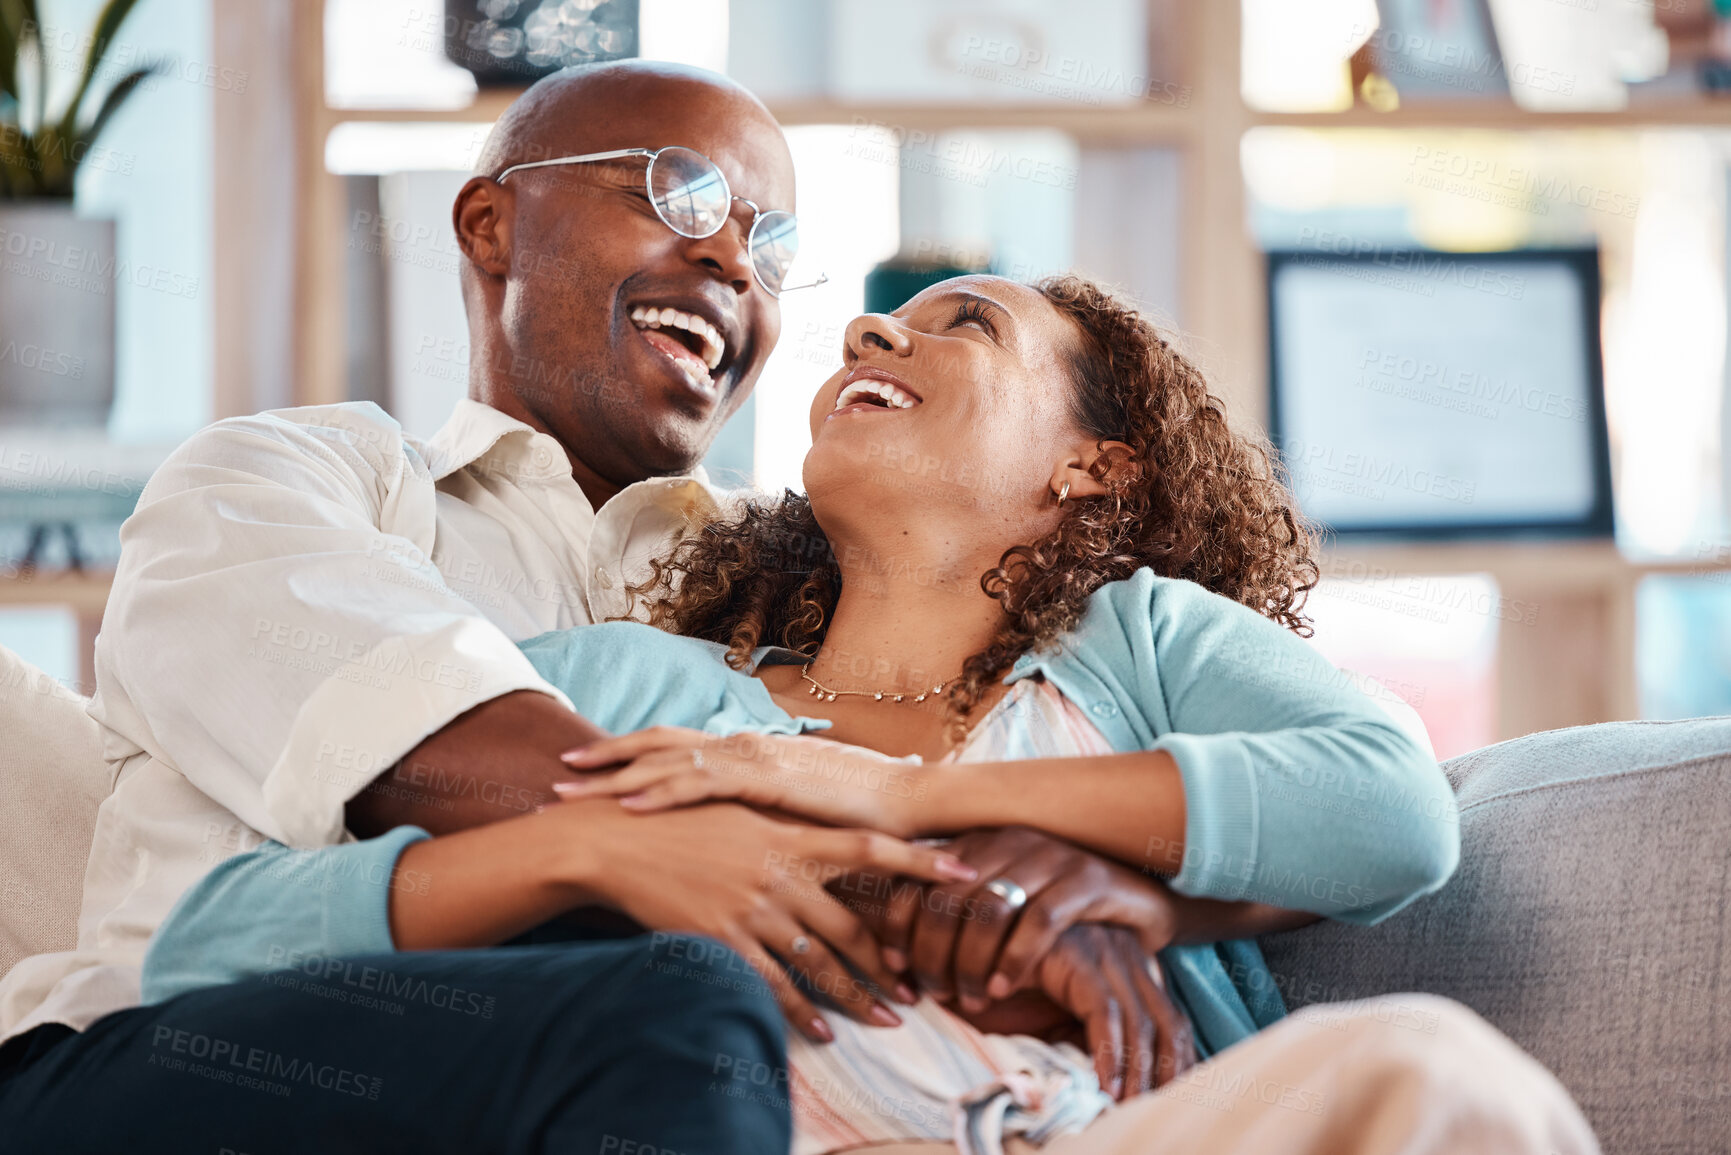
(1154, 122)
(1712, 112)
(84, 593)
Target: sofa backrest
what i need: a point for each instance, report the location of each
(52, 779)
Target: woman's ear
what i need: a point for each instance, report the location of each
(482, 220)
(1078, 469)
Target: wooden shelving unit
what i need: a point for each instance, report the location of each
(1505, 116)
(84, 593)
(1575, 663)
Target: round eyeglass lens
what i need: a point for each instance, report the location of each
(689, 192)
(774, 244)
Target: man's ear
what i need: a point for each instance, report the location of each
(482, 219)
(1077, 468)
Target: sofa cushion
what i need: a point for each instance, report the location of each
(52, 779)
(1587, 921)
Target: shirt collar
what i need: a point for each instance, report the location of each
(776, 656)
(476, 431)
(771, 717)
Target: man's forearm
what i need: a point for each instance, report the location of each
(499, 760)
(1203, 920)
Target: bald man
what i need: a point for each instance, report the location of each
(313, 629)
(312, 635)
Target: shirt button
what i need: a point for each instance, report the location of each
(603, 578)
(541, 456)
(1104, 710)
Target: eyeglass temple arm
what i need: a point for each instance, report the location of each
(616, 154)
(822, 279)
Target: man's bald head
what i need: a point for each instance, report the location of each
(560, 257)
(552, 117)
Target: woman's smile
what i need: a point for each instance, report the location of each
(869, 388)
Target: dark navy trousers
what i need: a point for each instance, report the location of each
(629, 1047)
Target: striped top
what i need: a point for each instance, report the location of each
(936, 1076)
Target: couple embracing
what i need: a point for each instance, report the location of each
(518, 791)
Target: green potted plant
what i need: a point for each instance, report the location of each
(58, 271)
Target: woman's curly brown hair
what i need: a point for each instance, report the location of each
(1193, 500)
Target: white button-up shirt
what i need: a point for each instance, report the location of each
(302, 597)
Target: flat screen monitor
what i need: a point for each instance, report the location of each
(1432, 394)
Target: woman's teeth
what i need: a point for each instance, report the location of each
(649, 317)
(869, 389)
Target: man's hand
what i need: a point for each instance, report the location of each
(1137, 1037)
(757, 885)
(964, 941)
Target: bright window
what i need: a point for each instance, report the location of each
(1683, 645)
(1429, 640)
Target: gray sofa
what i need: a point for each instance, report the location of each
(1587, 922)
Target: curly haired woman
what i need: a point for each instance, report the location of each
(1036, 583)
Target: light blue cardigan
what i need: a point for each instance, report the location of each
(1299, 790)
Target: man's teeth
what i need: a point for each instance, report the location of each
(645, 317)
(892, 396)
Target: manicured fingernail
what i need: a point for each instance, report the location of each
(822, 1031)
(906, 994)
(569, 789)
(895, 959)
(957, 869)
(883, 1016)
(998, 986)
(973, 1004)
(575, 754)
(634, 801)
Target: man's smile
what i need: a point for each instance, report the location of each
(697, 339)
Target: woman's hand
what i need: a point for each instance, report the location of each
(667, 766)
(757, 885)
(967, 941)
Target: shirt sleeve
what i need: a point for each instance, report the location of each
(277, 630)
(1299, 790)
(272, 909)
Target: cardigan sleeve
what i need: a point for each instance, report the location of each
(273, 909)
(1299, 790)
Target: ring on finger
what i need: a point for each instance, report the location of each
(800, 944)
(696, 758)
(1011, 892)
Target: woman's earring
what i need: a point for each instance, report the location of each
(1063, 494)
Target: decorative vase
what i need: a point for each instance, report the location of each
(510, 43)
(58, 278)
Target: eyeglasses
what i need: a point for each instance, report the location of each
(691, 196)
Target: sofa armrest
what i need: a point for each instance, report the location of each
(52, 779)
(1588, 922)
